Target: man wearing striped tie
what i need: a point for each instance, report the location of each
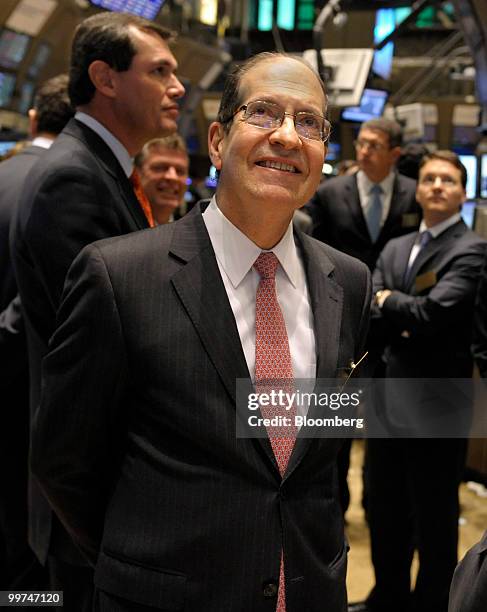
(143, 463)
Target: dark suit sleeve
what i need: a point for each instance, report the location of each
(479, 346)
(429, 314)
(77, 435)
(72, 208)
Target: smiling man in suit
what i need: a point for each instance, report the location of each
(425, 286)
(135, 443)
(123, 86)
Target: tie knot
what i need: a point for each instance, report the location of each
(376, 189)
(424, 238)
(266, 265)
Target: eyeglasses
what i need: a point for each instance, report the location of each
(270, 116)
(373, 146)
(430, 179)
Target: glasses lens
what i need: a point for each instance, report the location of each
(311, 126)
(263, 114)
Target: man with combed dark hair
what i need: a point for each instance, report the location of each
(124, 88)
(425, 285)
(18, 566)
(135, 442)
(163, 165)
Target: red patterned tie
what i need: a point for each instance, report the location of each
(141, 197)
(273, 370)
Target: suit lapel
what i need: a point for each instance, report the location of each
(107, 159)
(201, 290)
(441, 243)
(326, 298)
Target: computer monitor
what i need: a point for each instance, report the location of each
(483, 175)
(13, 47)
(26, 96)
(7, 85)
(468, 212)
(39, 60)
(5, 146)
(470, 163)
(371, 106)
(144, 8)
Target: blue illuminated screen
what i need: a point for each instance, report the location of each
(13, 47)
(468, 213)
(371, 106)
(7, 84)
(470, 163)
(144, 8)
(483, 176)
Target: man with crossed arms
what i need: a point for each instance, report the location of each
(135, 442)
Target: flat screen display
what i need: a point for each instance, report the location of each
(143, 8)
(371, 106)
(39, 60)
(26, 96)
(13, 47)
(470, 163)
(483, 175)
(5, 146)
(7, 85)
(468, 212)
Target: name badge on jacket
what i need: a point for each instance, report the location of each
(410, 220)
(425, 281)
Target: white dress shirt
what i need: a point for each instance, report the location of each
(364, 185)
(42, 141)
(235, 255)
(113, 143)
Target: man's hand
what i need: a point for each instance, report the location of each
(381, 296)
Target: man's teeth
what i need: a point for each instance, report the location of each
(277, 165)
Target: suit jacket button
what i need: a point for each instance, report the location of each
(270, 590)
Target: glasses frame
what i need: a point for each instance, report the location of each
(373, 146)
(325, 135)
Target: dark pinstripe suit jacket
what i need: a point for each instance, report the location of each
(135, 441)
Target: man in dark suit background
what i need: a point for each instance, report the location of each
(123, 86)
(348, 216)
(425, 285)
(135, 442)
(18, 566)
(342, 207)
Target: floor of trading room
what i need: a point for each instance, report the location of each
(360, 576)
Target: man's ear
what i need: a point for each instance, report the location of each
(33, 122)
(101, 76)
(396, 154)
(216, 136)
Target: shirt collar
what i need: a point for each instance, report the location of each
(42, 141)
(236, 253)
(113, 143)
(367, 184)
(439, 228)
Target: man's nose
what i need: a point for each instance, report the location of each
(437, 183)
(175, 88)
(286, 134)
(171, 174)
